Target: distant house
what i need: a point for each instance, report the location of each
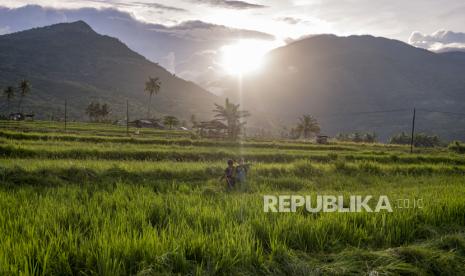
(147, 123)
(21, 116)
(16, 116)
(322, 139)
(212, 129)
(29, 117)
(120, 122)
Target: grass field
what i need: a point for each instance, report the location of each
(93, 201)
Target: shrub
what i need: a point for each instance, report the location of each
(358, 137)
(424, 140)
(400, 139)
(457, 147)
(419, 140)
(306, 169)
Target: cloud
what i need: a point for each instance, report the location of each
(199, 30)
(289, 20)
(188, 49)
(291, 40)
(439, 41)
(5, 30)
(154, 5)
(159, 6)
(238, 5)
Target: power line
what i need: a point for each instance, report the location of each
(387, 111)
(379, 111)
(443, 112)
(413, 131)
(428, 128)
(364, 112)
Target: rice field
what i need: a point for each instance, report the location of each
(93, 201)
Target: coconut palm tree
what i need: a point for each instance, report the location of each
(231, 114)
(104, 111)
(24, 88)
(9, 92)
(98, 112)
(92, 111)
(170, 121)
(152, 86)
(193, 121)
(308, 125)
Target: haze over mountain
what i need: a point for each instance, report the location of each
(334, 77)
(190, 49)
(72, 61)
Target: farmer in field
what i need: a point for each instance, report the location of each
(230, 174)
(241, 174)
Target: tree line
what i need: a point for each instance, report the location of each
(229, 113)
(403, 138)
(233, 117)
(98, 112)
(10, 92)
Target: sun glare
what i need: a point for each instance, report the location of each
(245, 56)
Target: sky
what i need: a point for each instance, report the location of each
(292, 18)
(201, 40)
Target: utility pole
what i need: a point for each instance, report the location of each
(66, 114)
(413, 131)
(127, 117)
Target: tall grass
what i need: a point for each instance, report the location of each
(93, 202)
(131, 228)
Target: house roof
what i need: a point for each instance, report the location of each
(214, 124)
(147, 122)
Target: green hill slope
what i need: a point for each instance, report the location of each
(71, 61)
(335, 77)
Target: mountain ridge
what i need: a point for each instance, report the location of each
(322, 75)
(71, 60)
(326, 75)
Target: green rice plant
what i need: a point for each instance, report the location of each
(95, 202)
(457, 147)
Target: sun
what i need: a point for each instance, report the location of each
(245, 56)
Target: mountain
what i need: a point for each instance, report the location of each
(71, 61)
(355, 83)
(458, 56)
(188, 49)
(338, 79)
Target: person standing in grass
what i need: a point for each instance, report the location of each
(229, 174)
(241, 174)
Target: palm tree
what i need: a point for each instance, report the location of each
(9, 92)
(25, 88)
(231, 114)
(152, 86)
(104, 111)
(170, 121)
(92, 111)
(193, 120)
(308, 125)
(370, 137)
